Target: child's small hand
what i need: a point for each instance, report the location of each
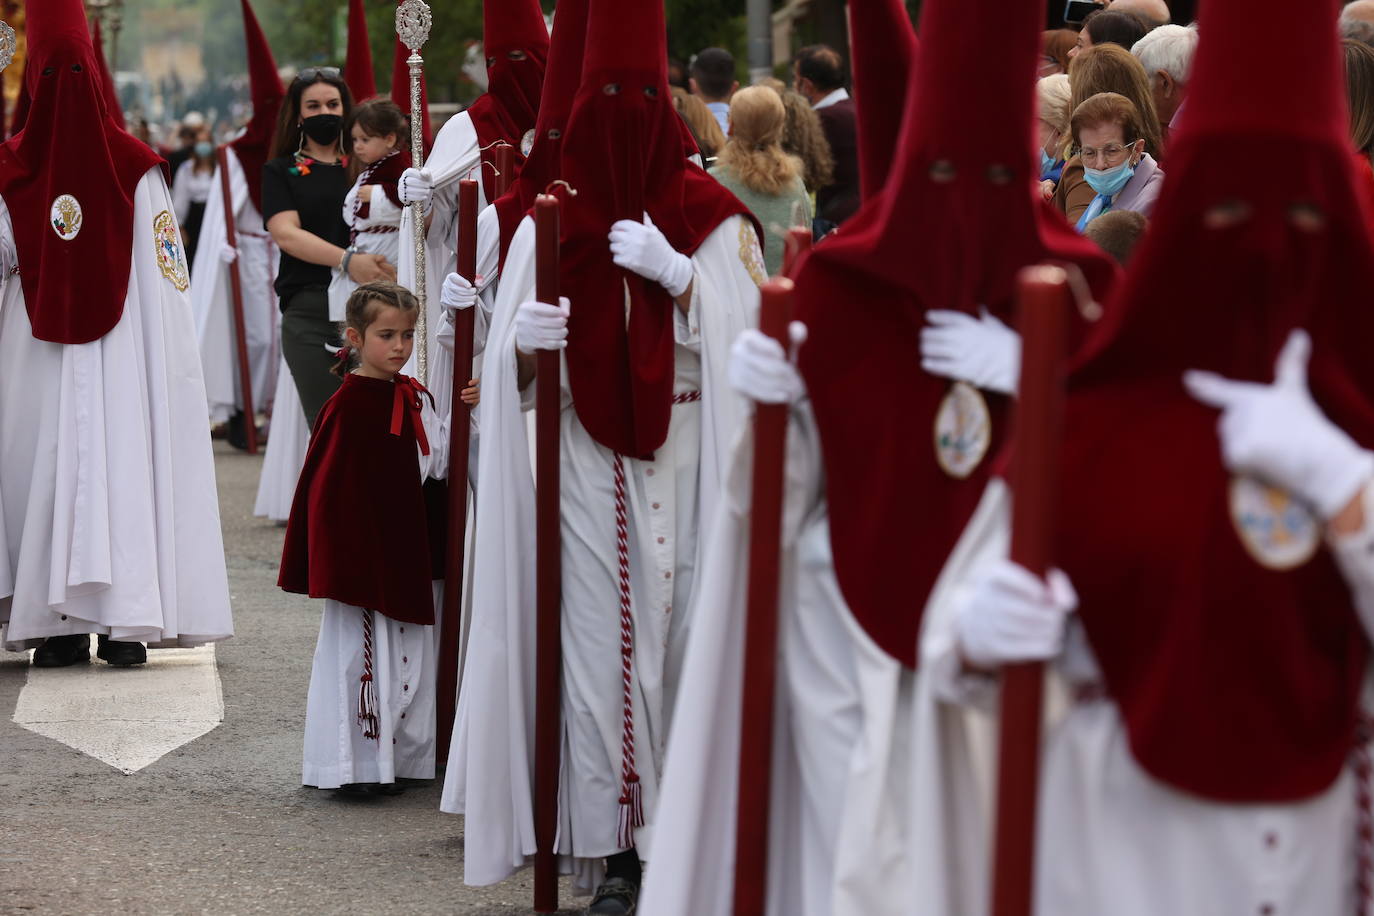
(472, 394)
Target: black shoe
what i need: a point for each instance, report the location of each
(235, 432)
(121, 654)
(615, 897)
(61, 651)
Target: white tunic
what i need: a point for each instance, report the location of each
(874, 801)
(1113, 839)
(405, 661)
(213, 303)
(111, 515)
(288, 440)
(491, 760)
(376, 233)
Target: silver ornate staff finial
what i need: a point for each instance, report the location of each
(413, 24)
(9, 44)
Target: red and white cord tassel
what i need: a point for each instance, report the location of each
(631, 799)
(367, 690)
(1363, 765)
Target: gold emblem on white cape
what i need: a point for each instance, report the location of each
(65, 217)
(1277, 530)
(750, 254)
(963, 430)
(170, 261)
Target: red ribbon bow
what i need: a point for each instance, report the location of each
(409, 394)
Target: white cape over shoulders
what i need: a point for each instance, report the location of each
(213, 303)
(111, 514)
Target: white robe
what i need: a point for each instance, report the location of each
(111, 515)
(875, 800)
(491, 759)
(212, 300)
(1113, 839)
(405, 663)
(288, 440)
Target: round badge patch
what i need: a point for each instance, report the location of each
(527, 142)
(963, 430)
(66, 217)
(1277, 530)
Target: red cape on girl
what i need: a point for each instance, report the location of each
(359, 530)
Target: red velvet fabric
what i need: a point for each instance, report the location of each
(254, 147)
(107, 82)
(623, 154)
(882, 50)
(387, 176)
(1236, 682)
(515, 40)
(959, 218)
(21, 105)
(560, 83)
(358, 71)
(74, 288)
(342, 543)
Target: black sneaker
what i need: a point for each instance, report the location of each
(61, 651)
(615, 897)
(121, 654)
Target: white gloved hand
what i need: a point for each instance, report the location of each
(540, 326)
(1013, 616)
(762, 372)
(981, 351)
(641, 248)
(458, 293)
(1278, 433)
(228, 254)
(416, 187)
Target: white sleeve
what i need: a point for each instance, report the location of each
(181, 192)
(1354, 555)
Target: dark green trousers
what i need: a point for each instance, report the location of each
(305, 330)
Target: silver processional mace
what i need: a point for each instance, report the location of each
(413, 24)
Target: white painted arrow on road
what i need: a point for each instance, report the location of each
(125, 717)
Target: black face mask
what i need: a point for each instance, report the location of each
(323, 129)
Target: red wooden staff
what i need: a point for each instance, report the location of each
(250, 417)
(505, 167)
(761, 626)
(796, 244)
(1043, 293)
(548, 701)
(459, 440)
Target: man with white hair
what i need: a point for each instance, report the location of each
(1166, 53)
(1357, 21)
(1154, 13)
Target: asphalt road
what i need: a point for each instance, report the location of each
(222, 824)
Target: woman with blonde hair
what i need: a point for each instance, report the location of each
(1053, 96)
(754, 167)
(803, 137)
(1105, 68)
(703, 125)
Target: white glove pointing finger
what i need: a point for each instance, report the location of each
(458, 293)
(415, 187)
(643, 249)
(540, 326)
(1014, 616)
(760, 370)
(228, 254)
(981, 351)
(1278, 433)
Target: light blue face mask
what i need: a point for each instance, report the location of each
(204, 148)
(1047, 163)
(1109, 182)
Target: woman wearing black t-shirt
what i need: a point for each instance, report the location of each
(303, 192)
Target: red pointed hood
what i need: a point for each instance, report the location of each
(255, 146)
(623, 153)
(400, 90)
(22, 104)
(959, 217)
(68, 179)
(358, 72)
(1215, 660)
(560, 86)
(515, 41)
(883, 50)
(107, 82)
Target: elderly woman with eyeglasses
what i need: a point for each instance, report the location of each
(1107, 137)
